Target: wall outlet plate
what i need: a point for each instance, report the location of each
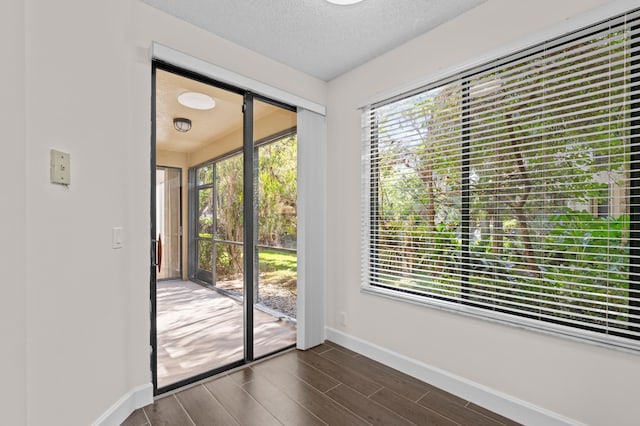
(60, 167)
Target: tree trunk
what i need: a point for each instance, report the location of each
(427, 177)
(518, 205)
(495, 227)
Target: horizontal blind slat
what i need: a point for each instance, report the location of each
(510, 187)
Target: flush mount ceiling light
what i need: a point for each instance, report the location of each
(182, 124)
(195, 100)
(344, 2)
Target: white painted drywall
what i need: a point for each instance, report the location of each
(12, 214)
(88, 92)
(312, 148)
(78, 101)
(587, 383)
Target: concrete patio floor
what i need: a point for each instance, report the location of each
(198, 330)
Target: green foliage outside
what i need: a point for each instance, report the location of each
(276, 201)
(277, 193)
(547, 190)
(205, 253)
(279, 268)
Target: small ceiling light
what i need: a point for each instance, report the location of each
(344, 2)
(182, 124)
(195, 100)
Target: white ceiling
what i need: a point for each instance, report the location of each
(314, 36)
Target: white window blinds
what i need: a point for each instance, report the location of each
(514, 188)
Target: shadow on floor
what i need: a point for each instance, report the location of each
(198, 330)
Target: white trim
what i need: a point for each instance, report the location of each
(602, 340)
(136, 398)
(312, 148)
(491, 399)
(180, 59)
(571, 24)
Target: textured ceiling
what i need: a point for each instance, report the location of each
(314, 36)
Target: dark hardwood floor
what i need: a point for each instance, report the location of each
(327, 385)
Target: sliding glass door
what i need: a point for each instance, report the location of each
(237, 300)
(276, 260)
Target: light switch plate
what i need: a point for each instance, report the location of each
(60, 167)
(117, 237)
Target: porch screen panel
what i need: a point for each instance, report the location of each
(511, 189)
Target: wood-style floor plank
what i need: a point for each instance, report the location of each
(402, 384)
(327, 385)
(321, 348)
(447, 396)
(366, 408)
(410, 410)
(340, 373)
(285, 409)
(446, 406)
(497, 417)
(203, 408)
(340, 348)
(289, 364)
(242, 376)
(137, 418)
(167, 412)
(245, 409)
(323, 407)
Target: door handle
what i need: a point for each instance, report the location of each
(159, 253)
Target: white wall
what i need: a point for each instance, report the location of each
(580, 381)
(78, 102)
(12, 214)
(88, 93)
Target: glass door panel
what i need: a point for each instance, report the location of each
(204, 265)
(275, 227)
(229, 234)
(199, 329)
(229, 270)
(168, 222)
(229, 220)
(205, 175)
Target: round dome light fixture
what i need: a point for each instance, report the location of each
(344, 2)
(195, 100)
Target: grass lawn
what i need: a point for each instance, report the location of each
(272, 260)
(277, 267)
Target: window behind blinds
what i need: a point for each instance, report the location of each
(512, 189)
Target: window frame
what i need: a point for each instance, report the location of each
(370, 191)
(201, 275)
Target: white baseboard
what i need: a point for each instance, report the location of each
(136, 398)
(498, 402)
